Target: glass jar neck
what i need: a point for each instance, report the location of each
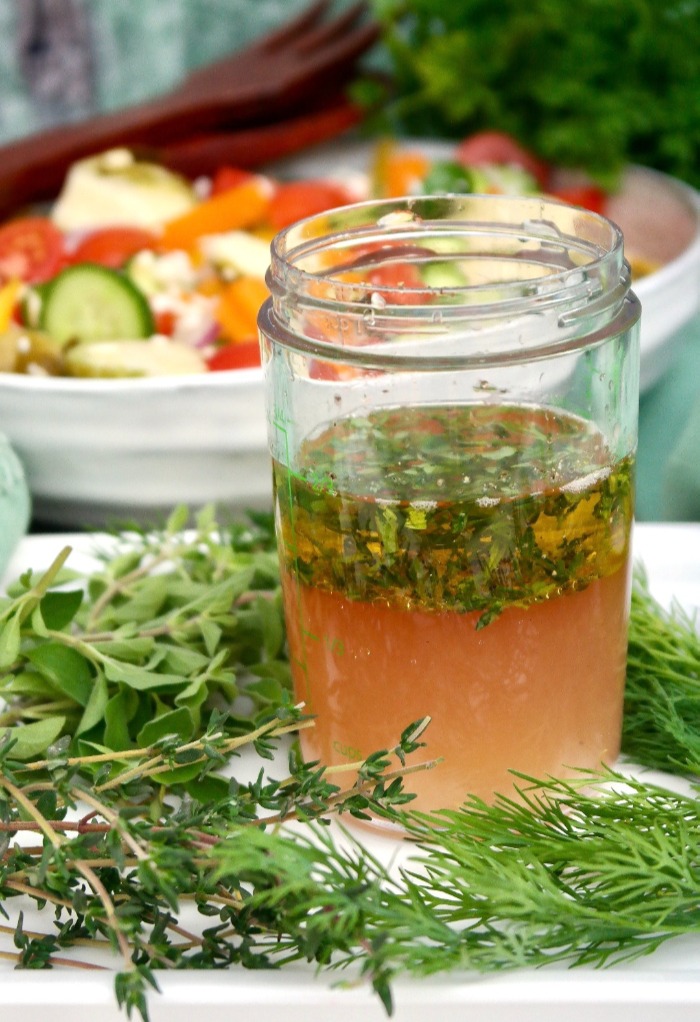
(461, 278)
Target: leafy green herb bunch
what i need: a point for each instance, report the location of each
(173, 625)
(594, 85)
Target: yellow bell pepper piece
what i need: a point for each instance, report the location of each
(9, 293)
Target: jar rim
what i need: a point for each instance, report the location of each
(536, 255)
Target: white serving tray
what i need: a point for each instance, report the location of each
(662, 987)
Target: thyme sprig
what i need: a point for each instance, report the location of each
(122, 864)
(213, 848)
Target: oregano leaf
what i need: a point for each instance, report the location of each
(95, 706)
(10, 638)
(176, 722)
(31, 740)
(58, 609)
(116, 717)
(66, 668)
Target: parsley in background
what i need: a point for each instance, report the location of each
(595, 84)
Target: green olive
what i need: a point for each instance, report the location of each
(23, 350)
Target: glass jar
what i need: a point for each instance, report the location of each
(452, 390)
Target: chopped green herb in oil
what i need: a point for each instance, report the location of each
(465, 507)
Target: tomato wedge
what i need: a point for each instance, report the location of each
(112, 246)
(226, 178)
(298, 199)
(589, 196)
(31, 249)
(403, 282)
(498, 147)
(239, 355)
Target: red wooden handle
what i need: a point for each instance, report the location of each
(251, 148)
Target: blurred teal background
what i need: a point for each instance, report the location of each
(668, 465)
(66, 59)
(114, 53)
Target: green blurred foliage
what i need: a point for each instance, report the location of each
(593, 84)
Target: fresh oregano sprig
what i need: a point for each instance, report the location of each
(172, 625)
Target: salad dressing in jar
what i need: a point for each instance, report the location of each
(452, 397)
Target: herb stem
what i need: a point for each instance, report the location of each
(123, 583)
(32, 811)
(114, 820)
(267, 730)
(155, 765)
(37, 935)
(37, 894)
(62, 826)
(16, 956)
(86, 870)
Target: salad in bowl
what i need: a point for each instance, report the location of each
(136, 271)
(130, 376)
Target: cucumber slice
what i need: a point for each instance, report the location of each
(89, 302)
(443, 274)
(157, 357)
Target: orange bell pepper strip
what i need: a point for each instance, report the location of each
(238, 307)
(397, 171)
(235, 209)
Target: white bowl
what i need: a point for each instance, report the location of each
(98, 452)
(660, 219)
